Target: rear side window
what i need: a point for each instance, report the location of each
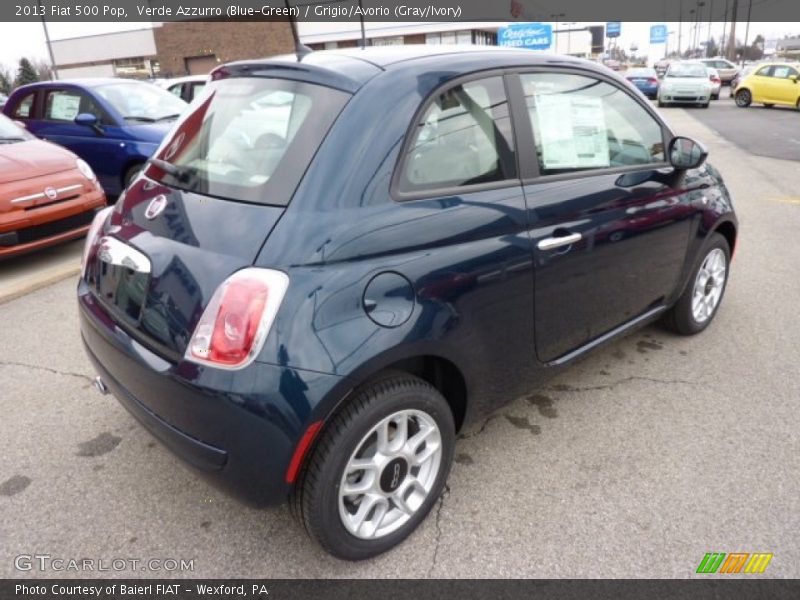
(463, 138)
(582, 123)
(24, 109)
(249, 139)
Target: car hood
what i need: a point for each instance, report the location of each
(33, 158)
(151, 133)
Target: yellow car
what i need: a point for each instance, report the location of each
(770, 84)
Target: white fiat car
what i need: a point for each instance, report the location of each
(686, 82)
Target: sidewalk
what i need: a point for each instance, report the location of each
(24, 274)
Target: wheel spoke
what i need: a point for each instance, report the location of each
(359, 520)
(364, 485)
(383, 437)
(402, 497)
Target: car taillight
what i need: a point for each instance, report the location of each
(714, 78)
(91, 235)
(238, 318)
(652, 81)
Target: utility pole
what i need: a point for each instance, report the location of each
(710, 16)
(732, 39)
(723, 49)
(53, 69)
(680, 26)
(747, 31)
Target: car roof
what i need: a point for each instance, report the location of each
(81, 82)
(349, 69)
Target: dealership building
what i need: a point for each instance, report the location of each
(195, 47)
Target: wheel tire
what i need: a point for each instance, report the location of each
(715, 97)
(743, 98)
(316, 502)
(661, 104)
(680, 318)
(131, 174)
(705, 105)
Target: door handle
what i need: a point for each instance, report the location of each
(556, 242)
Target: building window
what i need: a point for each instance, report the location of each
(464, 36)
(396, 40)
(131, 67)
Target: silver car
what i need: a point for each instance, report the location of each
(726, 69)
(686, 82)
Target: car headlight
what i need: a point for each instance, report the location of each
(85, 169)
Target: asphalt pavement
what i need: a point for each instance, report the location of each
(634, 463)
(772, 132)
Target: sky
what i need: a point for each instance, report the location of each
(27, 39)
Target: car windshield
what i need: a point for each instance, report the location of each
(641, 73)
(687, 70)
(10, 132)
(248, 139)
(141, 102)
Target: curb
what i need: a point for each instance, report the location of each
(44, 279)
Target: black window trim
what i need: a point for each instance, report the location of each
(34, 105)
(400, 195)
(522, 131)
(530, 172)
(106, 119)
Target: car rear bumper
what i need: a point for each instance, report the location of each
(238, 429)
(685, 98)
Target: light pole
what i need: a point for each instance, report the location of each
(53, 70)
(555, 17)
(746, 31)
(569, 36)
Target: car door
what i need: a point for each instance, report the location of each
(785, 90)
(609, 232)
(100, 147)
(761, 85)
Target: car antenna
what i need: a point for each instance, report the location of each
(300, 49)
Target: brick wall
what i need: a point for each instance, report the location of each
(177, 42)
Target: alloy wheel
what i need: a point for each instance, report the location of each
(743, 98)
(708, 285)
(390, 474)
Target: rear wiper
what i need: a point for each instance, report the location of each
(142, 119)
(12, 139)
(180, 173)
(168, 117)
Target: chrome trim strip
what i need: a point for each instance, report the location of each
(61, 190)
(27, 198)
(110, 250)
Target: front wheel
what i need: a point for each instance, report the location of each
(698, 304)
(378, 469)
(743, 98)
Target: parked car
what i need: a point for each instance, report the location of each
(716, 83)
(685, 82)
(312, 310)
(115, 125)
(725, 68)
(47, 194)
(770, 84)
(185, 88)
(661, 67)
(646, 80)
(743, 72)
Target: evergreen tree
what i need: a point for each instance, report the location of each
(26, 73)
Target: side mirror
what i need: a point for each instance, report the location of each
(685, 153)
(89, 120)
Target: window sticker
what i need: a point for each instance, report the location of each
(64, 107)
(573, 131)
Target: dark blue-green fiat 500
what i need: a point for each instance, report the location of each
(334, 262)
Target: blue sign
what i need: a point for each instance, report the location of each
(658, 34)
(613, 28)
(534, 36)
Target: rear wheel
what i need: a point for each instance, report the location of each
(715, 97)
(743, 98)
(705, 105)
(378, 469)
(698, 304)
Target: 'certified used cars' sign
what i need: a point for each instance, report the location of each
(535, 36)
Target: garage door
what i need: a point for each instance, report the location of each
(200, 65)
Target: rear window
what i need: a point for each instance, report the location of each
(248, 139)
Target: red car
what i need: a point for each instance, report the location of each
(47, 194)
